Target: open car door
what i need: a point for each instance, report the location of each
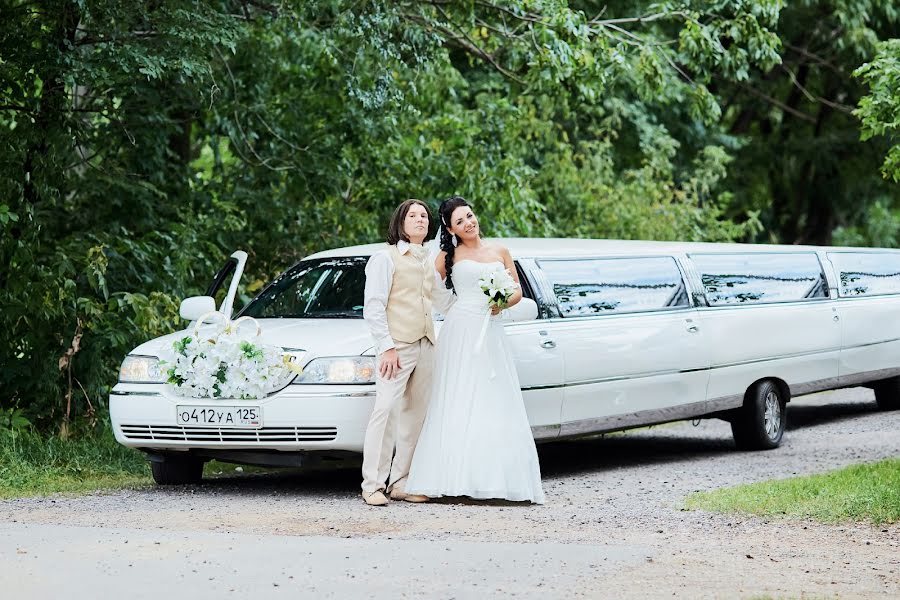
(196, 306)
(230, 272)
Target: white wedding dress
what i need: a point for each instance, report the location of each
(476, 440)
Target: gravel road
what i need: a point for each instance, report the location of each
(614, 526)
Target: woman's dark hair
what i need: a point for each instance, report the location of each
(445, 212)
(395, 229)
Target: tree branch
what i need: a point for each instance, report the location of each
(647, 19)
(774, 101)
(815, 58)
(814, 98)
(463, 41)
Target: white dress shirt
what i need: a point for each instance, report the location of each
(379, 276)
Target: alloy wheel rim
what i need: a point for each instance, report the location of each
(772, 415)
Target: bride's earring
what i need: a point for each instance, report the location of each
(454, 240)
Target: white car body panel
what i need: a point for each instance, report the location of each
(630, 363)
(796, 342)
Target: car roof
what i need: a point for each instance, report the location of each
(575, 247)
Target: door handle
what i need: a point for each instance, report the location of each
(693, 329)
(548, 344)
(835, 318)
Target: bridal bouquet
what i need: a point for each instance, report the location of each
(225, 364)
(498, 285)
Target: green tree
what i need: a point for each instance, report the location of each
(141, 142)
(880, 109)
(799, 160)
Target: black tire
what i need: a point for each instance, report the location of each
(176, 470)
(759, 423)
(887, 394)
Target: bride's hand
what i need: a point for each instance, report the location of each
(495, 310)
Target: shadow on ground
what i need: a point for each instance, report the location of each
(802, 416)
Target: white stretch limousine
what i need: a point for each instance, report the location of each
(626, 334)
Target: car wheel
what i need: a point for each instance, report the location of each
(887, 394)
(759, 423)
(176, 470)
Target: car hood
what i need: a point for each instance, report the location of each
(319, 337)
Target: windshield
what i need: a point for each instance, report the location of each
(328, 288)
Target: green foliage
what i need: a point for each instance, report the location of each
(879, 111)
(798, 158)
(866, 492)
(140, 143)
(12, 420)
(880, 227)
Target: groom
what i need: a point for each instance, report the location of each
(401, 283)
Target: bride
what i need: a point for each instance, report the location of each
(476, 440)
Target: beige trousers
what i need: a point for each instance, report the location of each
(396, 421)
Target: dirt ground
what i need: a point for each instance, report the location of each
(614, 526)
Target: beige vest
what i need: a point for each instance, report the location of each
(409, 303)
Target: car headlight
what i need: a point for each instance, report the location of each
(141, 369)
(339, 369)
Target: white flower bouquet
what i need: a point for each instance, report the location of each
(224, 363)
(498, 285)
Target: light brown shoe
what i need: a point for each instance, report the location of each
(376, 498)
(401, 495)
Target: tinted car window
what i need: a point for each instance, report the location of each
(760, 278)
(615, 285)
(867, 274)
(315, 289)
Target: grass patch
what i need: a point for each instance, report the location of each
(866, 492)
(34, 465)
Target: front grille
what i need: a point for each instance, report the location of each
(228, 434)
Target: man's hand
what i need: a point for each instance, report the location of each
(390, 364)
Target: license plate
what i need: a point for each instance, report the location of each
(220, 416)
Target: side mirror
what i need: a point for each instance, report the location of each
(196, 306)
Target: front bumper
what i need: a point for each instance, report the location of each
(298, 418)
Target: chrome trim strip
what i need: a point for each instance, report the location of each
(366, 394)
(552, 386)
(636, 376)
(648, 417)
(296, 390)
(799, 354)
(725, 403)
(614, 378)
(620, 315)
(811, 387)
(872, 344)
(833, 383)
(869, 297)
(778, 303)
(124, 393)
(545, 432)
(779, 357)
(868, 376)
